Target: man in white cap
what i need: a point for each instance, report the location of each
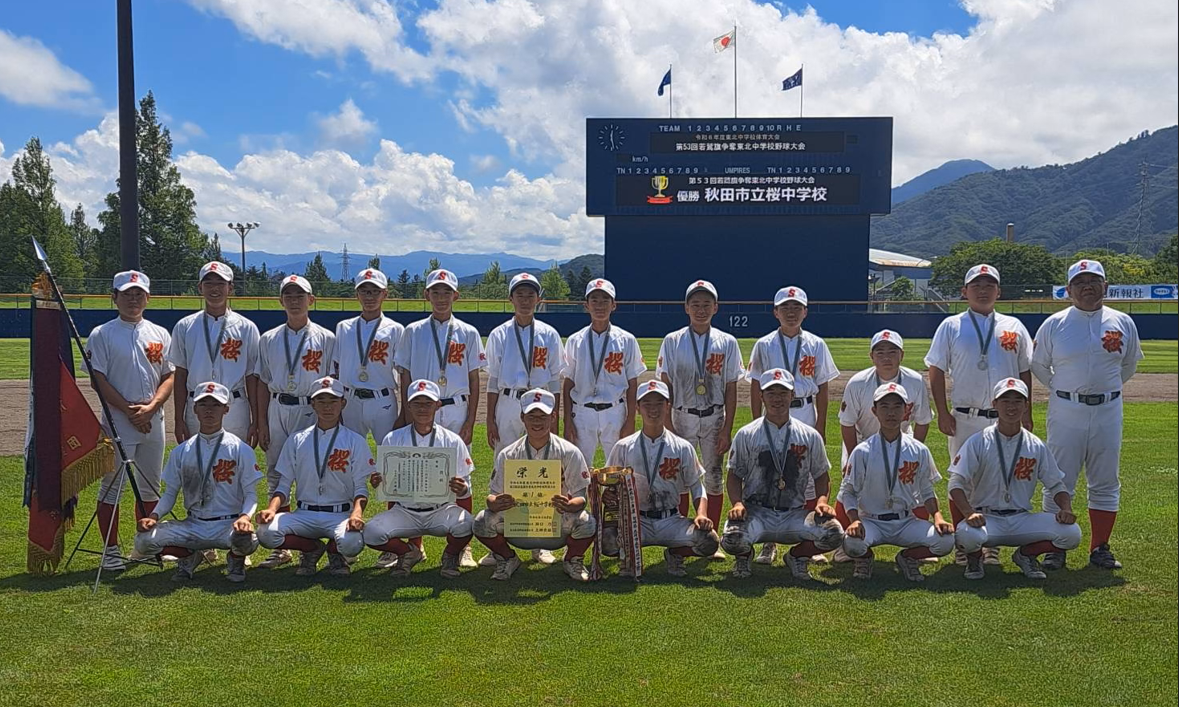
(218, 475)
(774, 457)
(1084, 355)
(701, 367)
(385, 531)
(808, 359)
(292, 358)
(666, 467)
(889, 476)
(992, 480)
(602, 368)
(127, 366)
(577, 526)
(976, 348)
(329, 465)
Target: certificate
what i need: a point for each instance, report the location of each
(416, 476)
(533, 483)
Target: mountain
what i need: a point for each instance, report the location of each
(594, 261)
(934, 178)
(1111, 200)
(462, 264)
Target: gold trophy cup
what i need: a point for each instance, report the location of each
(659, 183)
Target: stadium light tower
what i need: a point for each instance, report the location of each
(243, 230)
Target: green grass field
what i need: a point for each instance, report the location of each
(1083, 637)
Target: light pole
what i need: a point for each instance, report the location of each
(243, 229)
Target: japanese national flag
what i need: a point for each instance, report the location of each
(724, 41)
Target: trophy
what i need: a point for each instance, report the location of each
(614, 502)
(659, 183)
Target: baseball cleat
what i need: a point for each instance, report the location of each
(211, 556)
(959, 557)
(465, 560)
(235, 568)
(575, 568)
(505, 567)
(386, 560)
(719, 555)
(798, 566)
(337, 565)
(138, 556)
(742, 567)
(450, 566)
(910, 568)
(308, 564)
(769, 551)
(991, 556)
(406, 562)
(1028, 565)
(863, 566)
(840, 556)
(675, 563)
(544, 557)
(276, 558)
(488, 560)
(974, 567)
(1053, 561)
(1102, 557)
(819, 559)
(112, 559)
(186, 567)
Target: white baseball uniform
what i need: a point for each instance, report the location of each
(518, 360)
(856, 408)
(885, 482)
(807, 358)
(601, 366)
(220, 349)
(364, 362)
(434, 350)
(714, 361)
(218, 475)
(1004, 495)
(1086, 357)
(289, 363)
(957, 350)
(131, 357)
(329, 469)
(437, 520)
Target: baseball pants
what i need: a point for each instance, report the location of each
(1016, 531)
(371, 415)
(453, 416)
(904, 533)
(400, 522)
(786, 527)
(966, 425)
(597, 428)
(284, 421)
(196, 534)
(703, 432)
(313, 525)
(507, 418)
(148, 456)
(579, 526)
(1089, 436)
(673, 531)
(236, 422)
(806, 415)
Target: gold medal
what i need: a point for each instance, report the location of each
(889, 504)
(291, 384)
(781, 484)
(441, 381)
(363, 376)
(700, 389)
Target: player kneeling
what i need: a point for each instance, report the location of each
(992, 481)
(385, 532)
(217, 472)
(888, 477)
(666, 466)
(328, 464)
(577, 526)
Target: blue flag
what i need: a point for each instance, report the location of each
(665, 82)
(792, 81)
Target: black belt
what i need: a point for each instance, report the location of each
(426, 509)
(237, 394)
(780, 509)
(452, 400)
(702, 413)
(211, 520)
(513, 393)
(286, 399)
(890, 516)
(657, 515)
(1002, 511)
(338, 508)
(368, 393)
(600, 406)
(800, 402)
(1095, 399)
(989, 414)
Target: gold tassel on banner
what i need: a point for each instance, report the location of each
(86, 470)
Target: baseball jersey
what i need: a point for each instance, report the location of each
(210, 352)
(976, 470)
(806, 357)
(865, 485)
(674, 473)
(618, 358)
(420, 347)
(574, 473)
(505, 358)
(752, 460)
(1086, 352)
(344, 457)
(856, 408)
(677, 358)
(284, 353)
(375, 344)
(131, 356)
(226, 486)
(956, 349)
(408, 437)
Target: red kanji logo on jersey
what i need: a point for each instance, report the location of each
(455, 354)
(540, 357)
(1112, 341)
(907, 472)
(806, 367)
(154, 351)
(311, 360)
(669, 468)
(224, 470)
(1009, 340)
(379, 352)
(1024, 468)
(715, 363)
(613, 362)
(799, 450)
(338, 459)
(231, 349)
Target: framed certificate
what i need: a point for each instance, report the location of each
(533, 483)
(416, 475)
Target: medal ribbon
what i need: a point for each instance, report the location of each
(700, 360)
(780, 459)
(413, 437)
(526, 358)
(1008, 471)
(214, 350)
(438, 348)
(361, 349)
(793, 367)
(293, 361)
(983, 344)
(207, 469)
(658, 457)
(589, 343)
(543, 455)
(321, 464)
(891, 474)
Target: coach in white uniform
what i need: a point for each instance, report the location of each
(363, 359)
(1084, 355)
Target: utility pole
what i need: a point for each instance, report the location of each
(243, 229)
(128, 177)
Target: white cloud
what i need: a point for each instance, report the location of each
(187, 132)
(31, 75)
(347, 127)
(483, 164)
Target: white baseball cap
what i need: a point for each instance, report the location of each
(220, 269)
(600, 284)
(328, 385)
(296, 280)
(424, 388)
(776, 376)
(887, 335)
(211, 390)
(537, 398)
(886, 389)
(131, 278)
(443, 277)
(1010, 384)
(654, 386)
(1083, 266)
(981, 270)
(701, 286)
(523, 279)
(371, 275)
(790, 294)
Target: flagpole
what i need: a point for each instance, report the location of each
(669, 93)
(801, 88)
(734, 69)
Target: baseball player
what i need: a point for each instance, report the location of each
(577, 526)
(218, 475)
(449, 520)
(666, 467)
(701, 366)
(772, 459)
(127, 367)
(602, 368)
(328, 464)
(992, 480)
(888, 476)
(977, 348)
(1084, 355)
(291, 360)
